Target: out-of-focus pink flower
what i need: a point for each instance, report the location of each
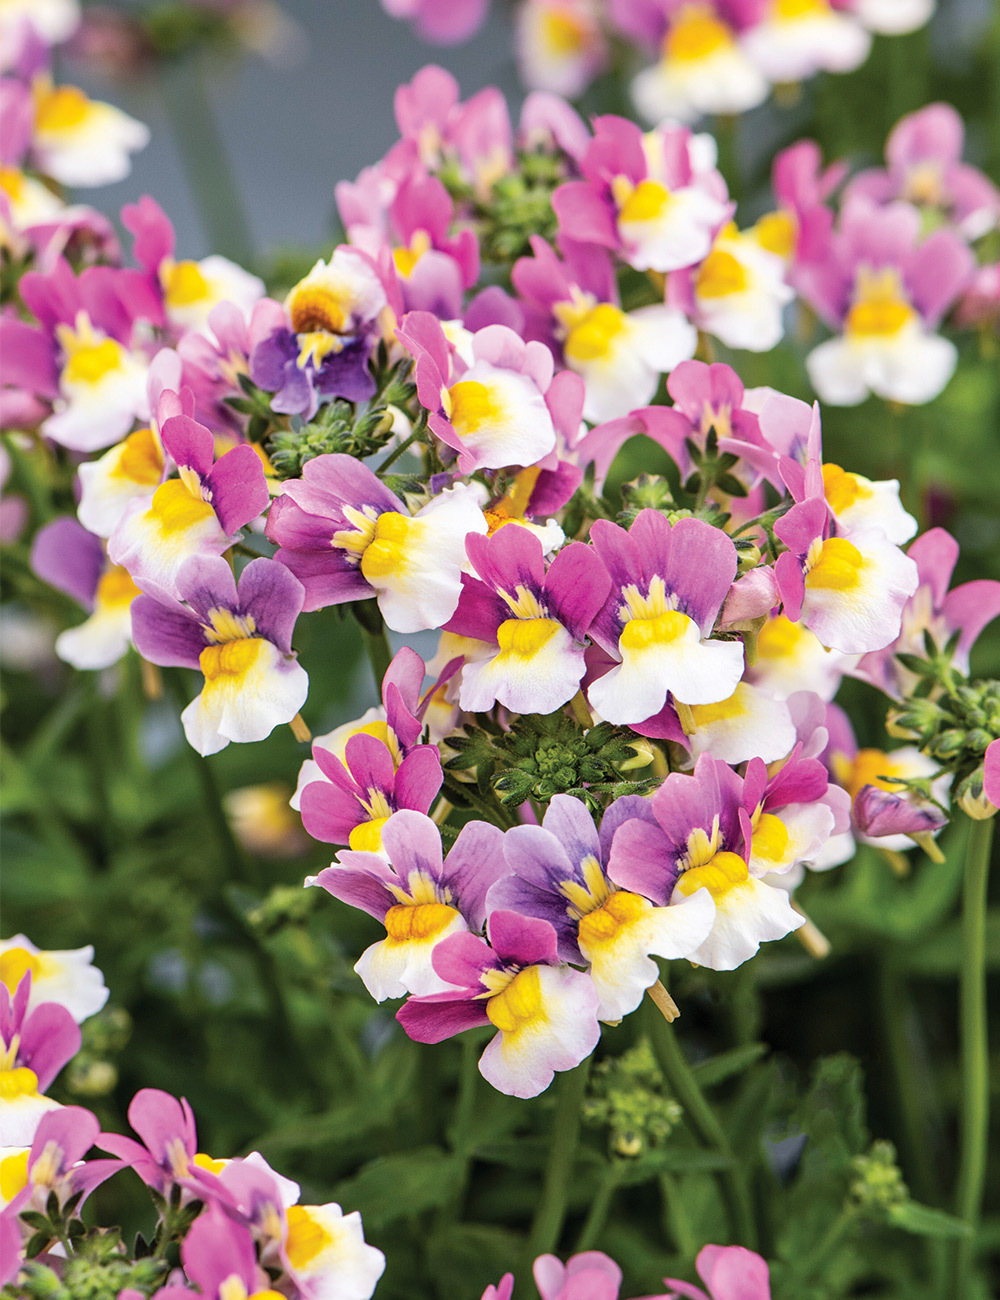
(442, 22)
(729, 1273)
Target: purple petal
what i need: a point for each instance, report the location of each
(273, 596)
(49, 1038)
(413, 843)
(189, 443)
(215, 1249)
(935, 554)
(73, 1130)
(576, 586)
(168, 635)
(641, 860)
(439, 1016)
(461, 959)
(206, 582)
(569, 821)
(475, 863)
(358, 889)
(160, 1119)
(66, 556)
(238, 488)
(626, 808)
(329, 813)
(28, 357)
(419, 778)
(522, 940)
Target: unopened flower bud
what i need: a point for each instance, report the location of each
(884, 812)
(643, 755)
(978, 740)
(948, 743)
(972, 798)
(748, 553)
(877, 1180)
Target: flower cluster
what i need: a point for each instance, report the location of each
(722, 56)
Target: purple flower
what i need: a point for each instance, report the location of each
(545, 1012)
(36, 1046)
(536, 620)
(559, 876)
(667, 588)
(419, 896)
(240, 637)
(696, 835)
(705, 397)
(358, 796)
(166, 1153)
(55, 1162)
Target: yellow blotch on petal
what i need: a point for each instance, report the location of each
(695, 33)
(724, 872)
(89, 363)
(60, 108)
(206, 1162)
(593, 336)
(790, 10)
(870, 767)
(704, 715)
(314, 307)
(837, 566)
(645, 203)
(770, 837)
(842, 489)
(777, 233)
(306, 1237)
(721, 274)
(471, 405)
(176, 508)
(141, 459)
(405, 923)
(13, 1174)
(563, 33)
(385, 554)
(604, 923)
(644, 633)
(21, 1082)
(231, 659)
(519, 1005)
(115, 588)
(14, 965)
(12, 182)
(779, 637)
(522, 638)
(880, 306)
(367, 836)
(183, 284)
(407, 258)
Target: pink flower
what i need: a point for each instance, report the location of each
(442, 22)
(729, 1273)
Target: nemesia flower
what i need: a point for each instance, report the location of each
(54, 1163)
(933, 609)
(190, 289)
(80, 141)
(418, 895)
(738, 292)
(199, 513)
(667, 587)
(67, 976)
(219, 1258)
(36, 1045)
(326, 1255)
(699, 838)
(886, 290)
(323, 352)
(619, 355)
(345, 536)
(729, 1273)
(53, 20)
(560, 45)
(240, 639)
(750, 723)
(357, 796)
(657, 199)
(794, 39)
(67, 557)
(703, 66)
(793, 813)
(262, 821)
(791, 658)
(892, 17)
(168, 1150)
(991, 773)
(879, 812)
(397, 724)
(851, 593)
(493, 411)
(591, 1275)
(559, 876)
(536, 620)
(544, 1011)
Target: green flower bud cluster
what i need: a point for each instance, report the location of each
(626, 1097)
(647, 492)
(91, 1073)
(549, 755)
(100, 1271)
(876, 1182)
(518, 205)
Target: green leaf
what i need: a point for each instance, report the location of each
(924, 1221)
(726, 1064)
(397, 1186)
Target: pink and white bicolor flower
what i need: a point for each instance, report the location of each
(559, 876)
(54, 1164)
(345, 536)
(544, 1011)
(34, 1047)
(419, 896)
(67, 557)
(695, 834)
(850, 592)
(199, 513)
(67, 976)
(240, 637)
(492, 411)
(656, 199)
(667, 587)
(792, 41)
(535, 621)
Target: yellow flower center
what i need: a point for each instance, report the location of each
(385, 555)
(471, 405)
(204, 1161)
(880, 308)
(593, 336)
(176, 508)
(60, 109)
(695, 33)
(790, 10)
(518, 1004)
(12, 182)
(115, 589)
(20, 1082)
(15, 963)
(407, 258)
(366, 837)
(777, 232)
(306, 1237)
(641, 633)
(315, 308)
(423, 921)
(13, 1174)
(705, 715)
(141, 459)
(523, 638)
(184, 284)
(770, 838)
(603, 924)
(779, 637)
(720, 274)
(644, 203)
(231, 659)
(91, 362)
(870, 767)
(722, 873)
(563, 33)
(836, 566)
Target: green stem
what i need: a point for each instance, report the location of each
(830, 1238)
(706, 1125)
(974, 1115)
(676, 1219)
(38, 494)
(372, 624)
(895, 1008)
(598, 1212)
(203, 157)
(546, 1228)
(460, 792)
(405, 445)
